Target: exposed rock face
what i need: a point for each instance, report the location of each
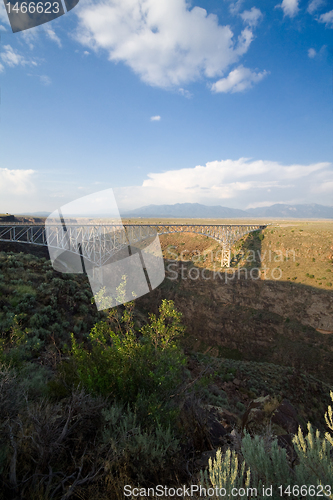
(216, 424)
(7, 218)
(263, 416)
(37, 250)
(286, 417)
(308, 306)
(255, 320)
(279, 419)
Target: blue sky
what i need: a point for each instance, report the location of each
(216, 102)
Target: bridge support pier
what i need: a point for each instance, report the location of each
(225, 257)
(99, 241)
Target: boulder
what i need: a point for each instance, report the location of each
(267, 410)
(285, 416)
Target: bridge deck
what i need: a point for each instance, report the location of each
(98, 242)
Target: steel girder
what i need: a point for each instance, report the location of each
(97, 243)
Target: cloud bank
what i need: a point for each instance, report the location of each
(241, 183)
(234, 183)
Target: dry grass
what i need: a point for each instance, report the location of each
(302, 249)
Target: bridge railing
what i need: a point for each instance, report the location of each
(98, 242)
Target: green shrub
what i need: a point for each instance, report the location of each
(83, 309)
(225, 473)
(13, 344)
(263, 462)
(33, 379)
(144, 452)
(39, 320)
(47, 448)
(140, 369)
(240, 406)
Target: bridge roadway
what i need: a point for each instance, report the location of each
(98, 242)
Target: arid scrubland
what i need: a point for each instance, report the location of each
(146, 394)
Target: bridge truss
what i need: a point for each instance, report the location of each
(99, 242)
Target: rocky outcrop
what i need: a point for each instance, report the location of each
(264, 416)
(265, 411)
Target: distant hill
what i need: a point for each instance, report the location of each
(186, 210)
(312, 211)
(38, 214)
(7, 219)
(197, 211)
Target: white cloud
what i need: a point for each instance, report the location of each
(235, 7)
(327, 18)
(238, 80)
(52, 35)
(290, 7)
(185, 93)
(325, 187)
(46, 80)
(257, 204)
(86, 53)
(312, 53)
(155, 118)
(30, 37)
(15, 181)
(2, 68)
(235, 183)
(11, 58)
(251, 17)
(315, 5)
(165, 42)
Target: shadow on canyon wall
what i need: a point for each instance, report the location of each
(237, 315)
(241, 317)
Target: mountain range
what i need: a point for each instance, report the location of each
(197, 211)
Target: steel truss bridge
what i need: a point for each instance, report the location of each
(99, 242)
